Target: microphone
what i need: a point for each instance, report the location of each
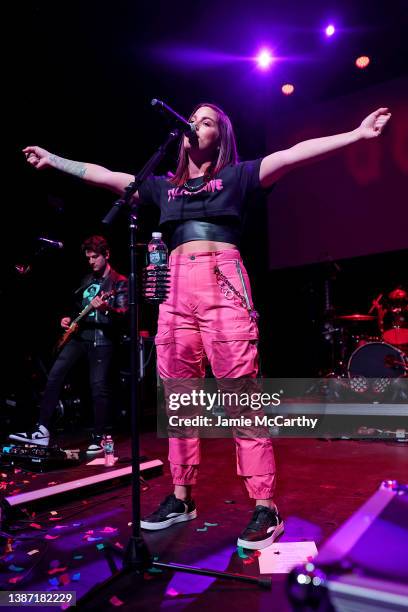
(54, 244)
(180, 123)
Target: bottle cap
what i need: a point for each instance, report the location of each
(156, 235)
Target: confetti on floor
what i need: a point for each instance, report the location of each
(65, 579)
(15, 568)
(57, 570)
(241, 553)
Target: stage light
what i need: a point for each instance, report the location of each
(288, 89)
(362, 61)
(330, 30)
(264, 59)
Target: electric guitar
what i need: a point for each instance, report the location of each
(74, 325)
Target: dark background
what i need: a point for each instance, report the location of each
(79, 79)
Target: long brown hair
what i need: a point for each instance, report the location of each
(227, 152)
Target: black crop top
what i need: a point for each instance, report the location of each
(219, 207)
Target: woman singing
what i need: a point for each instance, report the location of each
(202, 208)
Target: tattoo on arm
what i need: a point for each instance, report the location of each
(67, 165)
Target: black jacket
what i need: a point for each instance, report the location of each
(105, 326)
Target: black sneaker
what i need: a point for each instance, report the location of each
(39, 437)
(170, 511)
(263, 529)
(96, 445)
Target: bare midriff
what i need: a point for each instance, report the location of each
(202, 246)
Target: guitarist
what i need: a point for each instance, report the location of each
(95, 338)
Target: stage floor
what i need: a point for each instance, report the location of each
(320, 484)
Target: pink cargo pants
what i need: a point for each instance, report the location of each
(198, 321)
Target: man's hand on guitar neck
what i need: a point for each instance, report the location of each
(65, 322)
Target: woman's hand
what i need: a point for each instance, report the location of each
(37, 157)
(373, 125)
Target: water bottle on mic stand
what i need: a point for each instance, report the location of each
(156, 272)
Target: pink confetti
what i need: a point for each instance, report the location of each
(60, 527)
(249, 561)
(15, 579)
(51, 537)
(109, 529)
(115, 601)
(119, 545)
(64, 579)
(171, 592)
(57, 570)
(17, 470)
(50, 484)
(55, 518)
(33, 552)
(35, 526)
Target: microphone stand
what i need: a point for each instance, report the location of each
(137, 558)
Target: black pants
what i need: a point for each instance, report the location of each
(100, 362)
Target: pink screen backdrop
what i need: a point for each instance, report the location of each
(354, 203)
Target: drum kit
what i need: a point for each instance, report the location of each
(373, 348)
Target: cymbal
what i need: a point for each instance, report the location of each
(356, 317)
(398, 294)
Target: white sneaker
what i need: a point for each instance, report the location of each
(95, 446)
(39, 437)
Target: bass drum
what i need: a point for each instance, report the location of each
(377, 360)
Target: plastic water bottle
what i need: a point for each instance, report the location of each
(108, 449)
(157, 252)
(156, 272)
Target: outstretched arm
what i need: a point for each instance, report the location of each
(91, 173)
(277, 164)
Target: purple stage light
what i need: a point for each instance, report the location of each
(330, 30)
(264, 59)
